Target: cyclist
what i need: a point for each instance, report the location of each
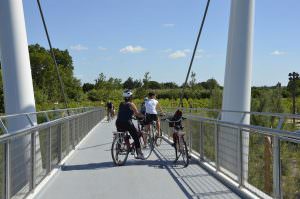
(110, 109)
(143, 106)
(124, 120)
(151, 112)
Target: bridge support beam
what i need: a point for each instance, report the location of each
(18, 87)
(237, 83)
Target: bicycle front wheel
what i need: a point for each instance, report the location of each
(119, 150)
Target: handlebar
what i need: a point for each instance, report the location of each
(168, 120)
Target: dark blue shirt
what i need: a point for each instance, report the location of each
(125, 113)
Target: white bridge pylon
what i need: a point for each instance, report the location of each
(17, 83)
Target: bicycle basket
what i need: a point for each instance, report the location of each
(171, 124)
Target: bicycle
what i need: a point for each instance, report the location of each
(123, 144)
(110, 115)
(181, 149)
(157, 140)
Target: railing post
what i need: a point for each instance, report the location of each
(276, 168)
(217, 146)
(33, 160)
(240, 157)
(190, 136)
(49, 155)
(7, 170)
(59, 144)
(201, 150)
(73, 133)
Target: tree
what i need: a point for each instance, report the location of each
(129, 83)
(153, 85)
(193, 80)
(45, 80)
(146, 79)
(169, 85)
(100, 82)
(87, 87)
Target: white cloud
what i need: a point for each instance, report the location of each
(278, 53)
(178, 54)
(102, 48)
(186, 50)
(78, 47)
(132, 49)
(168, 25)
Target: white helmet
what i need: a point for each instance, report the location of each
(127, 93)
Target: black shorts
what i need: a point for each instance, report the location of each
(150, 118)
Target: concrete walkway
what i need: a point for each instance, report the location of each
(90, 174)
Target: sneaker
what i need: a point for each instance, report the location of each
(140, 155)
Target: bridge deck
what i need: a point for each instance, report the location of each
(90, 173)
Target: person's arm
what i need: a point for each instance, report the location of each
(135, 110)
(160, 109)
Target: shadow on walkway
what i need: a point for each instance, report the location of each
(106, 165)
(95, 146)
(193, 180)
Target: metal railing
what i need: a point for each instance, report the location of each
(205, 135)
(56, 133)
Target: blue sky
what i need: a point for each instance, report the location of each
(128, 38)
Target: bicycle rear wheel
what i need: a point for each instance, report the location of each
(119, 150)
(146, 145)
(158, 139)
(184, 151)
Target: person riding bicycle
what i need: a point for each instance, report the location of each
(127, 109)
(143, 106)
(151, 112)
(110, 108)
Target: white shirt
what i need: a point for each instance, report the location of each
(151, 106)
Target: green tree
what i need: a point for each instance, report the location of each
(146, 79)
(86, 87)
(129, 83)
(192, 83)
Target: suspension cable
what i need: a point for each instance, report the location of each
(53, 56)
(194, 52)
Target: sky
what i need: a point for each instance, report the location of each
(128, 38)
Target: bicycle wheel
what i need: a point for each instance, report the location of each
(184, 151)
(158, 139)
(146, 145)
(176, 147)
(119, 150)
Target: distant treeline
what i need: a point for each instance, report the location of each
(47, 88)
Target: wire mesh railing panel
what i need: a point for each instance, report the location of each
(209, 142)
(33, 152)
(20, 166)
(292, 124)
(2, 171)
(194, 130)
(260, 163)
(64, 139)
(41, 154)
(54, 145)
(228, 149)
(290, 169)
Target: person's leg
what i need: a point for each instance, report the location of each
(158, 127)
(134, 134)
